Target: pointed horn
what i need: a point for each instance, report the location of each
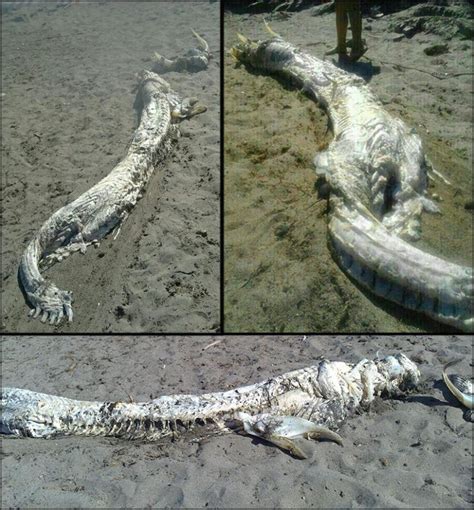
(271, 32)
(286, 444)
(319, 432)
(160, 58)
(202, 42)
(235, 54)
(243, 39)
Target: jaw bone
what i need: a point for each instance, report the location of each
(282, 430)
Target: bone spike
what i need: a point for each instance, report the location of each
(287, 444)
(270, 31)
(164, 60)
(59, 316)
(233, 52)
(243, 39)
(117, 232)
(202, 42)
(324, 433)
(68, 310)
(441, 176)
(438, 174)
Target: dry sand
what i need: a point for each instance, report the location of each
(67, 118)
(279, 274)
(415, 452)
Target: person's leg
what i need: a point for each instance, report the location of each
(341, 25)
(355, 16)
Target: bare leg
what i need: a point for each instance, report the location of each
(341, 25)
(355, 17)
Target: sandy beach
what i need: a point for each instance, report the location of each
(68, 75)
(279, 273)
(415, 452)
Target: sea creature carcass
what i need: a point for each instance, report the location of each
(311, 402)
(377, 172)
(104, 207)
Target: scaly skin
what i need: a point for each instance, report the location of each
(105, 206)
(311, 402)
(377, 173)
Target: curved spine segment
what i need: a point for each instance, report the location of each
(377, 172)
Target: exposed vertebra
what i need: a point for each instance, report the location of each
(377, 172)
(311, 402)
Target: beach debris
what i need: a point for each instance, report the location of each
(436, 49)
(212, 344)
(398, 38)
(445, 21)
(439, 75)
(461, 388)
(279, 5)
(378, 176)
(282, 230)
(102, 209)
(309, 403)
(322, 9)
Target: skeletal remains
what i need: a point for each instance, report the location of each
(103, 208)
(377, 173)
(311, 402)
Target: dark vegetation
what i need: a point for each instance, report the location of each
(368, 6)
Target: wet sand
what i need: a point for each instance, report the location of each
(279, 274)
(68, 75)
(415, 452)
